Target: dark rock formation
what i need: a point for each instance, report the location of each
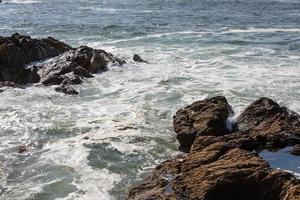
(222, 166)
(80, 62)
(19, 50)
(138, 58)
(67, 89)
(66, 67)
(206, 117)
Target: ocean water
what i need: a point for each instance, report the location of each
(196, 48)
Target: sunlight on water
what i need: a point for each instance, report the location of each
(99, 143)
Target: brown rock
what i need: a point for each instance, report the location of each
(222, 165)
(218, 172)
(206, 117)
(263, 124)
(264, 116)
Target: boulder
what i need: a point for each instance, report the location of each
(263, 124)
(223, 165)
(55, 62)
(205, 117)
(19, 50)
(83, 62)
(264, 116)
(217, 172)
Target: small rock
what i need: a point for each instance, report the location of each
(22, 149)
(138, 58)
(66, 89)
(86, 138)
(127, 128)
(296, 150)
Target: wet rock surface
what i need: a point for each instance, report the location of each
(65, 66)
(19, 50)
(138, 58)
(224, 165)
(207, 117)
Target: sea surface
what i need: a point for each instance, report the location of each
(242, 49)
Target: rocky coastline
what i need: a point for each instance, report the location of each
(24, 60)
(221, 160)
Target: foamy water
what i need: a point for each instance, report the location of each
(99, 143)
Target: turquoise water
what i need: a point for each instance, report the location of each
(196, 48)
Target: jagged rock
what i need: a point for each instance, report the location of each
(222, 166)
(67, 89)
(66, 65)
(265, 115)
(263, 124)
(206, 117)
(19, 50)
(218, 172)
(138, 58)
(82, 62)
(80, 71)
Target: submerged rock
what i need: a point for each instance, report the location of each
(221, 165)
(296, 150)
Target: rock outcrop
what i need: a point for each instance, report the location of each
(207, 117)
(66, 66)
(222, 165)
(18, 50)
(263, 124)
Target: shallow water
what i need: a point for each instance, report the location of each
(283, 159)
(197, 48)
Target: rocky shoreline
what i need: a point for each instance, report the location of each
(222, 162)
(24, 60)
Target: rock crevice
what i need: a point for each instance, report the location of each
(221, 164)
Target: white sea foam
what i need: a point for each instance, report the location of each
(22, 1)
(261, 30)
(185, 66)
